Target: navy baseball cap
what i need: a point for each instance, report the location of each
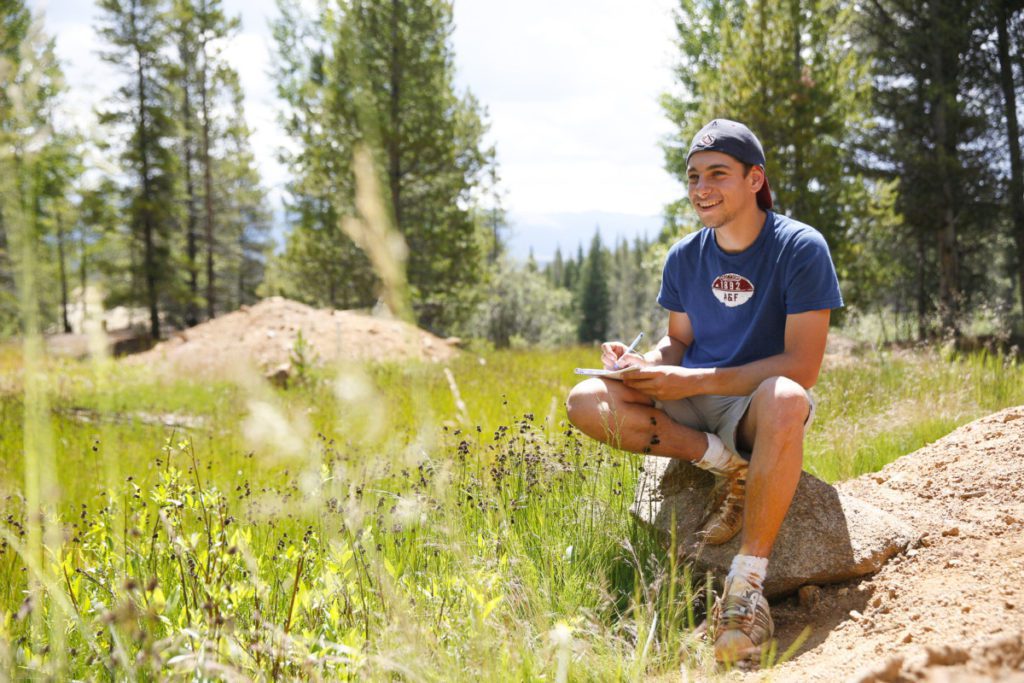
(736, 140)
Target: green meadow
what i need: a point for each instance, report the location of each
(375, 522)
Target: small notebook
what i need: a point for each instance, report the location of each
(607, 374)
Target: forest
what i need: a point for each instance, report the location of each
(893, 127)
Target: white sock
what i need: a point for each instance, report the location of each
(748, 569)
(717, 457)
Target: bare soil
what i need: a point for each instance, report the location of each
(951, 608)
(266, 334)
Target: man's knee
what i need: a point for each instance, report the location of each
(782, 402)
(584, 404)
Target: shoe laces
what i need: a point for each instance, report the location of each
(737, 607)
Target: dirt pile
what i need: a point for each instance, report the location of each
(266, 335)
(952, 607)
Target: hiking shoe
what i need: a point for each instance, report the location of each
(726, 517)
(741, 623)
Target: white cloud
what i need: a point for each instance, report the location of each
(572, 90)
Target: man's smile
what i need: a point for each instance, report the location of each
(705, 205)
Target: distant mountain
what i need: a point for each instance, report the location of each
(545, 232)
(542, 231)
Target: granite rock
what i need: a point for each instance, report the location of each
(826, 537)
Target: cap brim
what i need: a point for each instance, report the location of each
(764, 195)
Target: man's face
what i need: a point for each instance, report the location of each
(718, 189)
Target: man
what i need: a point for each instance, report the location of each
(749, 298)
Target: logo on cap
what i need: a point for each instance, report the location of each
(707, 140)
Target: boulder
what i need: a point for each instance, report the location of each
(826, 537)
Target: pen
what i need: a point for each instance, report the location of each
(631, 348)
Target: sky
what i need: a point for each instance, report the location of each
(570, 86)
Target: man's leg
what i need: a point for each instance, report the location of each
(611, 412)
(774, 426)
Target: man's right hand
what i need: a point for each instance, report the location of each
(614, 356)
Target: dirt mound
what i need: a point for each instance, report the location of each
(952, 607)
(265, 335)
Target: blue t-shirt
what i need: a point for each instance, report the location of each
(738, 303)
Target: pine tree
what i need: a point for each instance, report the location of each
(59, 168)
(556, 269)
(136, 33)
(243, 216)
(30, 84)
(1008, 16)
(320, 264)
(380, 72)
(701, 28)
(933, 127)
(96, 233)
(207, 85)
(791, 73)
(183, 28)
(594, 298)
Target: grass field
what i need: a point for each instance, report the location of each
(406, 522)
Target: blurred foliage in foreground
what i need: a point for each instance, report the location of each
(390, 520)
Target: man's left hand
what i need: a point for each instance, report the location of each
(665, 382)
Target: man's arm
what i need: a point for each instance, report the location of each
(668, 351)
(800, 361)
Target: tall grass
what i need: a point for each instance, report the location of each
(885, 403)
(396, 533)
(495, 546)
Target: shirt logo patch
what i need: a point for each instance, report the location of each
(732, 289)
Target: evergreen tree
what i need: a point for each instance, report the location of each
(58, 169)
(381, 72)
(320, 264)
(933, 126)
(1008, 17)
(30, 84)
(594, 298)
(791, 73)
(96, 233)
(493, 215)
(14, 26)
(136, 33)
(184, 29)
(207, 86)
(635, 278)
(212, 27)
(556, 269)
(243, 216)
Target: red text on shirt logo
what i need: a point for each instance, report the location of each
(732, 289)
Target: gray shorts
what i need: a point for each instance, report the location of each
(719, 415)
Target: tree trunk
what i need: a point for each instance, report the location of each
(394, 142)
(149, 254)
(63, 272)
(82, 268)
(1016, 188)
(799, 184)
(945, 151)
(211, 304)
(191, 238)
(922, 293)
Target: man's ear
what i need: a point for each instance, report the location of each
(756, 178)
